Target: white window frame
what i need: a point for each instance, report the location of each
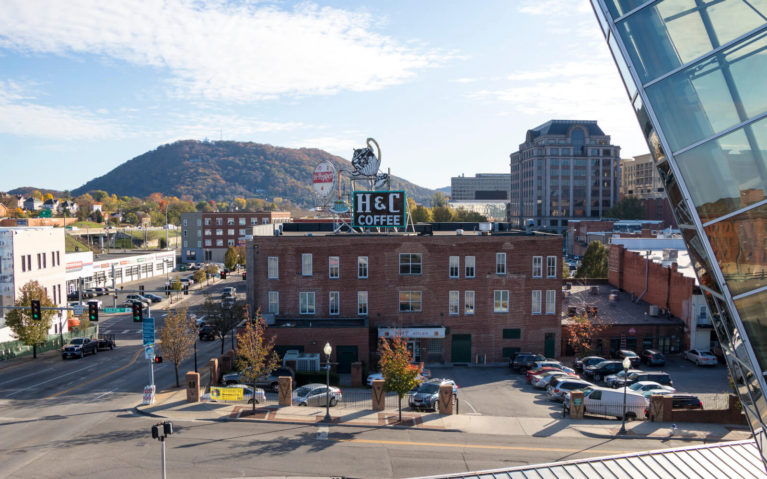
(551, 266)
(410, 264)
(470, 266)
(362, 303)
(334, 303)
(468, 303)
(551, 301)
(306, 264)
(362, 267)
(303, 302)
(500, 263)
(274, 302)
(454, 306)
(501, 296)
(535, 301)
(334, 273)
(273, 267)
(219, 243)
(454, 267)
(411, 310)
(537, 266)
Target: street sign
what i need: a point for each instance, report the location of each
(78, 309)
(148, 395)
(148, 331)
(45, 213)
(116, 310)
(226, 394)
(149, 352)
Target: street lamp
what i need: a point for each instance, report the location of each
(327, 350)
(626, 365)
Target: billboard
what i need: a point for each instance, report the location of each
(324, 179)
(226, 394)
(378, 209)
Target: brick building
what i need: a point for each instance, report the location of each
(456, 298)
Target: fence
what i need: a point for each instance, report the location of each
(13, 349)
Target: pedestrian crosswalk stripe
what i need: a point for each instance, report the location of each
(126, 331)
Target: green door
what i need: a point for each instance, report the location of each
(461, 348)
(548, 345)
(345, 356)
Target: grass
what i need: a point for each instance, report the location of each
(71, 241)
(88, 224)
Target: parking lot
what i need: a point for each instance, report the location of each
(498, 391)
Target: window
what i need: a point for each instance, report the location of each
(500, 263)
(537, 266)
(469, 268)
(199, 222)
(184, 222)
(274, 302)
(207, 221)
(230, 232)
(242, 222)
(333, 267)
(468, 302)
(334, 303)
(362, 303)
(551, 266)
(208, 242)
(265, 221)
(362, 266)
(185, 233)
(455, 267)
(219, 221)
(230, 221)
(253, 221)
(410, 263)
(306, 264)
(186, 244)
(536, 306)
(230, 242)
(453, 306)
(273, 267)
(512, 333)
(219, 242)
(551, 301)
(219, 232)
(208, 232)
(199, 244)
(410, 301)
(242, 231)
(501, 301)
(306, 302)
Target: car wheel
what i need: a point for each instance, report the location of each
(95, 350)
(250, 401)
(630, 416)
(82, 354)
(302, 403)
(276, 387)
(333, 401)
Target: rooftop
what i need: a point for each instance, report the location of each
(622, 311)
(561, 127)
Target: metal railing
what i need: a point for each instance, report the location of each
(14, 349)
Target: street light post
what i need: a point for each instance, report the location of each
(327, 350)
(626, 365)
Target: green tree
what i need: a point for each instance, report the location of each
(131, 218)
(241, 256)
(400, 376)
(462, 214)
(27, 330)
(203, 206)
(97, 216)
(230, 258)
(442, 214)
(629, 208)
(199, 276)
(255, 352)
(594, 262)
(420, 214)
(439, 199)
(177, 337)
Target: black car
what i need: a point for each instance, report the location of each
(207, 333)
(685, 401)
(581, 363)
(622, 354)
(523, 362)
(659, 377)
(653, 357)
(600, 370)
(515, 356)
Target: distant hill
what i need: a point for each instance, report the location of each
(26, 191)
(221, 170)
(445, 189)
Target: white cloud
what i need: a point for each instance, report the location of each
(222, 50)
(548, 7)
(341, 146)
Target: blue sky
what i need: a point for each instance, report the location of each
(445, 87)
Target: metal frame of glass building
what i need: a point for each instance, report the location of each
(696, 74)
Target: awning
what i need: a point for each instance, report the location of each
(438, 332)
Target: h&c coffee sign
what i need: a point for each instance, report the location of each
(378, 209)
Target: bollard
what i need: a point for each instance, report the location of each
(213, 365)
(379, 396)
(192, 386)
(285, 390)
(445, 399)
(576, 405)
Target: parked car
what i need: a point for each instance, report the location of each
(523, 362)
(79, 347)
(622, 354)
(653, 357)
(514, 358)
(139, 297)
(73, 296)
(100, 291)
(685, 401)
(609, 402)
(541, 381)
(558, 387)
(587, 361)
(610, 379)
(532, 373)
(644, 386)
(144, 304)
(89, 293)
(207, 333)
(316, 395)
(701, 358)
(153, 297)
(105, 341)
(248, 395)
(601, 370)
(426, 395)
(269, 381)
(657, 376)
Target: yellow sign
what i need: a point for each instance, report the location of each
(226, 394)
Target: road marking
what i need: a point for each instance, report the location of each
(135, 356)
(104, 394)
(472, 407)
(322, 433)
(126, 331)
(53, 379)
(480, 446)
(107, 331)
(26, 375)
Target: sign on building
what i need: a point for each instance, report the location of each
(226, 394)
(324, 179)
(374, 209)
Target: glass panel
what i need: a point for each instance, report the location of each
(619, 8)
(699, 259)
(713, 95)
(600, 16)
(623, 69)
(727, 174)
(674, 32)
(740, 247)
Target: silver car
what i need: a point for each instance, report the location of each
(559, 388)
(316, 395)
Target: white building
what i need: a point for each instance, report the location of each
(99, 271)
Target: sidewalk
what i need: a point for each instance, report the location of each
(172, 405)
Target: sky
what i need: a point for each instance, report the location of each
(446, 87)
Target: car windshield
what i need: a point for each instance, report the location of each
(303, 391)
(629, 354)
(428, 388)
(706, 353)
(636, 386)
(600, 364)
(77, 341)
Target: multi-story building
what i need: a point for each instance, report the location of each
(483, 186)
(565, 169)
(206, 236)
(695, 79)
(31, 254)
(640, 179)
(455, 298)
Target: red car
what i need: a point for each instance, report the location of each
(534, 372)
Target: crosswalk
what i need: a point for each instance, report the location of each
(123, 332)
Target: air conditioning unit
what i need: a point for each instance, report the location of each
(653, 310)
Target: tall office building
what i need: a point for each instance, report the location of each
(640, 178)
(483, 186)
(695, 73)
(565, 169)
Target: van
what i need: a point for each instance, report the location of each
(609, 402)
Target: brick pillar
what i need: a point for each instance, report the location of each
(445, 399)
(286, 390)
(192, 386)
(225, 362)
(379, 396)
(213, 365)
(356, 374)
(576, 405)
(660, 408)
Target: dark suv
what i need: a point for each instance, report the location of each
(659, 377)
(685, 401)
(523, 362)
(207, 333)
(653, 357)
(598, 371)
(621, 354)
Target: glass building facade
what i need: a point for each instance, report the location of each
(696, 73)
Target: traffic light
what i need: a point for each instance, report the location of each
(138, 311)
(158, 359)
(243, 275)
(93, 311)
(186, 289)
(223, 275)
(35, 306)
(141, 289)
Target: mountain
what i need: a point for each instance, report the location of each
(26, 191)
(221, 170)
(445, 189)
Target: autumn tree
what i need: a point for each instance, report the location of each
(241, 256)
(439, 199)
(420, 214)
(177, 337)
(442, 214)
(400, 376)
(230, 258)
(582, 329)
(199, 276)
(222, 320)
(594, 262)
(255, 352)
(27, 330)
